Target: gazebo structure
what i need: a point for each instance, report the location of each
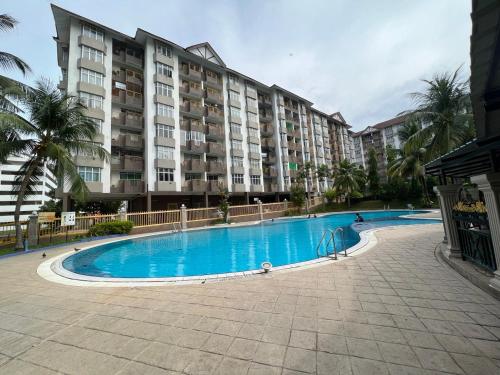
(475, 236)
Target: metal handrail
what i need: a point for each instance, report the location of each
(320, 242)
(333, 233)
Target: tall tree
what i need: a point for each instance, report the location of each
(10, 89)
(54, 130)
(373, 177)
(323, 172)
(445, 107)
(348, 178)
(306, 178)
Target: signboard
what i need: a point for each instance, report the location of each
(46, 216)
(68, 219)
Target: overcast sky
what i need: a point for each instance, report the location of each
(360, 57)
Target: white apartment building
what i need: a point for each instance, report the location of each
(8, 173)
(378, 137)
(180, 125)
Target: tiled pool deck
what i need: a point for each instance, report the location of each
(395, 309)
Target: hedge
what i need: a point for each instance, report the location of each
(111, 227)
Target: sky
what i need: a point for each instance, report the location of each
(361, 57)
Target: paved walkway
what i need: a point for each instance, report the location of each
(395, 309)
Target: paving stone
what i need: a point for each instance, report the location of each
(399, 354)
(134, 368)
(473, 331)
(276, 335)
(473, 365)
(24, 368)
(421, 339)
(303, 339)
(489, 348)
(300, 360)
(437, 360)
(202, 363)
(332, 364)
(457, 344)
(243, 348)
(362, 366)
(260, 369)
(363, 348)
(217, 344)
(251, 331)
(270, 354)
(388, 334)
(332, 343)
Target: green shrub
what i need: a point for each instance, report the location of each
(111, 227)
(331, 195)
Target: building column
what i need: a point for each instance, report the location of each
(247, 198)
(447, 199)
(65, 202)
(148, 201)
(489, 184)
(183, 217)
(33, 230)
(206, 199)
(445, 238)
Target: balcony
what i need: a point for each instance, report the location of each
(216, 167)
(192, 109)
(214, 114)
(296, 134)
(129, 99)
(213, 81)
(269, 160)
(265, 116)
(128, 59)
(128, 141)
(268, 142)
(195, 147)
(198, 186)
(192, 125)
(216, 149)
(194, 165)
(216, 132)
(128, 186)
(134, 122)
(129, 163)
(213, 97)
(132, 78)
(256, 188)
(271, 172)
(191, 92)
(190, 73)
(266, 130)
(216, 186)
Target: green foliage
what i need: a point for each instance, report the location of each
(349, 178)
(330, 195)
(110, 227)
(298, 195)
(373, 177)
(52, 206)
(98, 207)
(224, 203)
(356, 195)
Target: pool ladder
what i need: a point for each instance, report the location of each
(330, 235)
(177, 229)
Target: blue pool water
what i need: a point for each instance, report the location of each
(224, 250)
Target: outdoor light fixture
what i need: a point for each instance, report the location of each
(266, 266)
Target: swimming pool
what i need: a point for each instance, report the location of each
(224, 250)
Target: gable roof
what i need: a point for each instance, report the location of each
(393, 121)
(206, 51)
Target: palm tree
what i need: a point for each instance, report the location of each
(323, 172)
(10, 88)
(304, 176)
(445, 106)
(348, 178)
(412, 157)
(55, 128)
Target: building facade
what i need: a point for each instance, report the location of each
(378, 137)
(180, 125)
(8, 173)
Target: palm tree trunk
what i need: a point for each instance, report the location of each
(19, 203)
(424, 188)
(348, 200)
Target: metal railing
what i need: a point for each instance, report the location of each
(8, 232)
(330, 235)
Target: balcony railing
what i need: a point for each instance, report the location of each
(127, 141)
(191, 91)
(195, 186)
(130, 121)
(129, 163)
(194, 165)
(215, 131)
(193, 109)
(266, 130)
(190, 73)
(215, 148)
(128, 186)
(214, 114)
(216, 167)
(216, 186)
(195, 146)
(211, 96)
(192, 125)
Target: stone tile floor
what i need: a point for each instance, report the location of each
(394, 310)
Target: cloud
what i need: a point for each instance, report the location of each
(360, 58)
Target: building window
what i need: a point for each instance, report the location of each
(237, 161)
(253, 133)
(165, 174)
(255, 163)
(163, 89)
(164, 69)
(134, 176)
(165, 131)
(165, 152)
(255, 180)
(234, 80)
(163, 49)
(251, 91)
(235, 128)
(236, 144)
(89, 76)
(91, 100)
(89, 53)
(234, 95)
(164, 110)
(89, 174)
(251, 102)
(98, 124)
(238, 179)
(254, 148)
(235, 112)
(197, 137)
(92, 32)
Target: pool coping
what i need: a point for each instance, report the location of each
(53, 270)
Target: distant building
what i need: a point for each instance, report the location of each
(8, 173)
(378, 137)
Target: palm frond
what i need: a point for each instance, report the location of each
(9, 61)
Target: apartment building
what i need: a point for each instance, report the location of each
(378, 137)
(8, 173)
(181, 125)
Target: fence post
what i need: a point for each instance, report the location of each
(261, 212)
(122, 215)
(183, 217)
(33, 230)
(286, 204)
